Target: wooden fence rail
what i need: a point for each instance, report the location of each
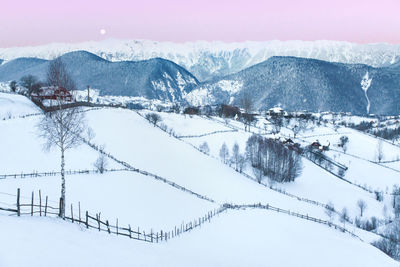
(54, 173)
(206, 134)
(38, 206)
(131, 168)
(103, 225)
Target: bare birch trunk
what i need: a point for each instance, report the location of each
(62, 212)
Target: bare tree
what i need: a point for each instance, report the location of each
(343, 142)
(241, 162)
(101, 163)
(330, 210)
(277, 122)
(224, 153)
(362, 206)
(30, 82)
(90, 134)
(299, 126)
(204, 148)
(153, 118)
(61, 128)
(58, 75)
(379, 150)
(246, 103)
(13, 86)
(344, 215)
(236, 155)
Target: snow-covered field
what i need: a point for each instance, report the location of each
(14, 106)
(234, 238)
(133, 198)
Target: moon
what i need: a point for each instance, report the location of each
(102, 31)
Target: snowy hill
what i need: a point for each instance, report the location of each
(210, 59)
(153, 79)
(170, 151)
(307, 84)
(13, 106)
(237, 238)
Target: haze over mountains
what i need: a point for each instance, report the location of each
(207, 60)
(267, 72)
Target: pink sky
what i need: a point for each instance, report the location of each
(33, 22)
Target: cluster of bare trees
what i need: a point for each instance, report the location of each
(271, 158)
(153, 118)
(390, 243)
(237, 159)
(57, 75)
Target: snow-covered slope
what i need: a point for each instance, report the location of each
(13, 105)
(209, 59)
(22, 151)
(235, 238)
(133, 198)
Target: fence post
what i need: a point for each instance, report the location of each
(98, 220)
(18, 203)
(40, 203)
(117, 226)
(79, 206)
(32, 205)
(45, 208)
(72, 213)
(130, 231)
(87, 219)
(151, 235)
(108, 227)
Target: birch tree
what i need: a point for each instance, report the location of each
(61, 128)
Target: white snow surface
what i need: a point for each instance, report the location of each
(234, 238)
(14, 105)
(262, 237)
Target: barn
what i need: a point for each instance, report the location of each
(53, 93)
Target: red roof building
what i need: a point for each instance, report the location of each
(53, 93)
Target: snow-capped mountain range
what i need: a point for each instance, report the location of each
(207, 60)
(306, 84)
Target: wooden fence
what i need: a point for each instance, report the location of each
(281, 191)
(54, 173)
(206, 134)
(295, 214)
(41, 206)
(157, 177)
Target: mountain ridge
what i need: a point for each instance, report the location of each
(207, 60)
(306, 84)
(153, 79)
